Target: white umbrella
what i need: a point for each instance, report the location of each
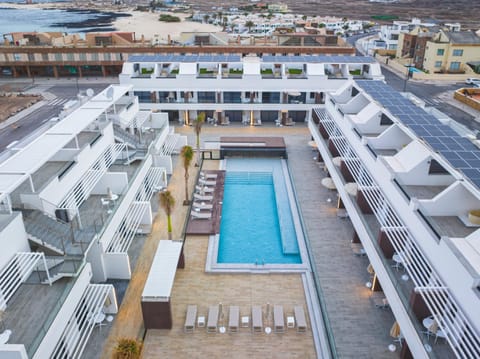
(337, 161)
(351, 188)
(327, 182)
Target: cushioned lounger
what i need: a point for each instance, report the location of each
(212, 319)
(278, 320)
(190, 319)
(233, 318)
(257, 320)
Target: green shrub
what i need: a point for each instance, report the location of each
(295, 71)
(357, 72)
(266, 72)
(128, 348)
(236, 71)
(169, 18)
(147, 71)
(204, 71)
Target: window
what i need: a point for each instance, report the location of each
(44, 57)
(455, 66)
(58, 57)
(70, 56)
(82, 56)
(440, 52)
(438, 64)
(107, 56)
(458, 52)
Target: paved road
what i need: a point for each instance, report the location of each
(55, 98)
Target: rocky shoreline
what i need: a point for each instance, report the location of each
(100, 21)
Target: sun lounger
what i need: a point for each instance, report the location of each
(208, 175)
(257, 320)
(199, 197)
(278, 319)
(233, 318)
(300, 318)
(202, 205)
(201, 215)
(206, 182)
(204, 189)
(189, 326)
(212, 319)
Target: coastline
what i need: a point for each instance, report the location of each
(124, 19)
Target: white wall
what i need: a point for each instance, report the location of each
(117, 265)
(13, 238)
(55, 331)
(13, 351)
(116, 181)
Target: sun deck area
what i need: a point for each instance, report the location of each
(342, 277)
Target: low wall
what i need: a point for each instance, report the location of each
(398, 66)
(464, 95)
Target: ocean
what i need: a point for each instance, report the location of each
(41, 20)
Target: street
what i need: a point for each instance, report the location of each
(55, 96)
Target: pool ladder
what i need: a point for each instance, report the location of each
(263, 261)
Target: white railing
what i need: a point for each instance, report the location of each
(124, 235)
(82, 189)
(80, 326)
(17, 270)
(460, 334)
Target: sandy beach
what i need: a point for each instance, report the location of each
(140, 22)
(147, 24)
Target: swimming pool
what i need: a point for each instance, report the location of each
(257, 226)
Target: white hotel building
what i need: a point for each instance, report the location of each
(413, 182)
(74, 197)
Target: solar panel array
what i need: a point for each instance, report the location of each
(319, 59)
(266, 58)
(459, 151)
(184, 58)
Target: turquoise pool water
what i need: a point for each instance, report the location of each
(256, 224)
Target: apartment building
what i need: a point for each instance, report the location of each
(75, 196)
(76, 60)
(249, 90)
(411, 187)
(450, 52)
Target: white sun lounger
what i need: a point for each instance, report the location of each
(202, 198)
(278, 319)
(212, 319)
(233, 318)
(201, 215)
(204, 189)
(257, 320)
(300, 318)
(206, 182)
(202, 205)
(208, 175)
(189, 326)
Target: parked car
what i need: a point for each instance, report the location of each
(472, 81)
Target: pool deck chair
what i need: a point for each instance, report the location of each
(199, 197)
(300, 318)
(204, 189)
(212, 319)
(278, 319)
(202, 205)
(233, 318)
(201, 215)
(208, 175)
(207, 182)
(257, 320)
(189, 326)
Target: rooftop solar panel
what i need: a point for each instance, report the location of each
(440, 137)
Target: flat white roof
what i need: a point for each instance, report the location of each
(30, 158)
(162, 272)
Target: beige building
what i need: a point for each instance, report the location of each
(450, 52)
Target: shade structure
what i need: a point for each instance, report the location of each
(312, 144)
(337, 161)
(327, 182)
(351, 188)
(395, 330)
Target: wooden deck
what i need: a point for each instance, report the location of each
(212, 225)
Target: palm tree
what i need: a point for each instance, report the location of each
(167, 201)
(187, 155)
(198, 123)
(249, 24)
